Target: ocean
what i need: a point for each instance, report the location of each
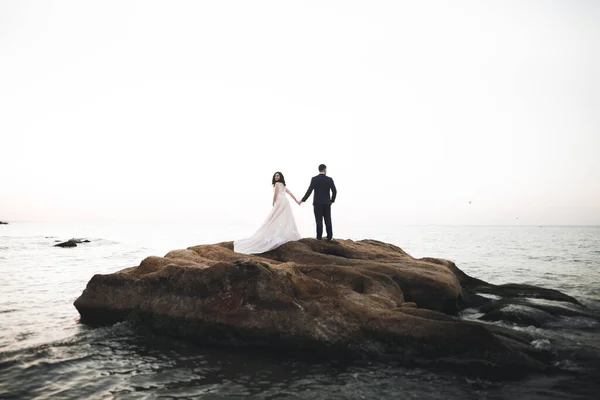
(46, 353)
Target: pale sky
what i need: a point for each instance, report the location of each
(182, 111)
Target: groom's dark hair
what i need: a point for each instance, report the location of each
(322, 167)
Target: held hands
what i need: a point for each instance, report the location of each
(299, 202)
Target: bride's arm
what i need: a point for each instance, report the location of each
(291, 194)
(274, 193)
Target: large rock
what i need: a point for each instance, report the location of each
(365, 299)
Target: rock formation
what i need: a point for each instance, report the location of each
(349, 298)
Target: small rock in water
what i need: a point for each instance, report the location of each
(79, 240)
(3, 223)
(68, 243)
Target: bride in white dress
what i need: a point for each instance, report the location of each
(278, 228)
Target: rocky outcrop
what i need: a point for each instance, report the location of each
(357, 299)
(3, 223)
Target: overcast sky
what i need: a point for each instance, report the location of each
(182, 111)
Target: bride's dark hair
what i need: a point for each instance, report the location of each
(281, 178)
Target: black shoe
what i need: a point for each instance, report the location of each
(319, 238)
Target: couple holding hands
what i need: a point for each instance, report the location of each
(280, 225)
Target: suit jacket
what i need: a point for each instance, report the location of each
(322, 185)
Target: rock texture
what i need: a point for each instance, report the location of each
(531, 312)
(358, 299)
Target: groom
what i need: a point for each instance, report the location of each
(322, 184)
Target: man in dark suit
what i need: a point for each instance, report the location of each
(322, 185)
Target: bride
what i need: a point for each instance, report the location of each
(278, 228)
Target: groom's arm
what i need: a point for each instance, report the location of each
(309, 191)
(333, 192)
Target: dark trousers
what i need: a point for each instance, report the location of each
(323, 212)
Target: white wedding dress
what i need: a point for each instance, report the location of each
(278, 228)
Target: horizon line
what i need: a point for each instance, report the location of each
(233, 224)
